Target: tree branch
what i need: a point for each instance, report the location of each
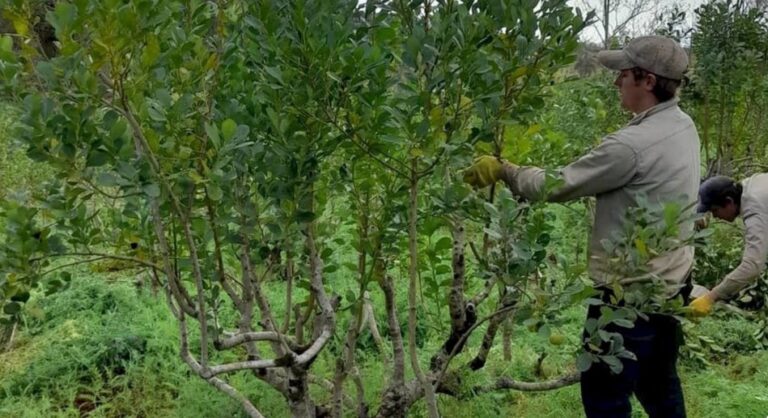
(245, 337)
(508, 383)
(205, 374)
(138, 261)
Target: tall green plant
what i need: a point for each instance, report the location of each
(210, 139)
(729, 46)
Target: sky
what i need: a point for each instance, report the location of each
(593, 35)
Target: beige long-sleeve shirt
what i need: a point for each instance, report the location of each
(754, 212)
(656, 154)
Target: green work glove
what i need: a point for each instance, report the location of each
(702, 305)
(484, 171)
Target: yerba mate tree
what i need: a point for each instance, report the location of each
(225, 146)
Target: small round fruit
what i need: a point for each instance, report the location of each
(556, 339)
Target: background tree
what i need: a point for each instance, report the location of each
(729, 85)
(615, 18)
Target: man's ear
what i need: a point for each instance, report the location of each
(650, 81)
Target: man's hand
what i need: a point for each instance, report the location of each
(702, 305)
(484, 171)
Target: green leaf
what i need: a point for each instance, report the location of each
(626, 323)
(350, 296)
(214, 192)
(443, 243)
(6, 43)
(12, 308)
(151, 51)
(20, 297)
(642, 249)
(228, 129)
(275, 72)
(213, 134)
(614, 363)
(152, 190)
(584, 361)
(107, 179)
(118, 129)
(97, 158)
(46, 71)
(156, 114)
(6, 50)
(490, 209)
(62, 17)
(305, 216)
(544, 331)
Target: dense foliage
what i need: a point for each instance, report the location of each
(286, 174)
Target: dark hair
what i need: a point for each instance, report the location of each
(664, 89)
(716, 191)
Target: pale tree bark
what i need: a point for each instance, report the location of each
(393, 400)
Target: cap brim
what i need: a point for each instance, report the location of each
(614, 60)
(701, 208)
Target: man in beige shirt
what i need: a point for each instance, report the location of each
(656, 155)
(726, 199)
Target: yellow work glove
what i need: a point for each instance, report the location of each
(702, 305)
(484, 171)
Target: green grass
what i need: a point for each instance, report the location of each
(105, 342)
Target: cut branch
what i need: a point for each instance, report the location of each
(508, 383)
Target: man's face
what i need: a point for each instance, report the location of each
(635, 95)
(728, 212)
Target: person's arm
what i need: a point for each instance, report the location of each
(609, 166)
(752, 261)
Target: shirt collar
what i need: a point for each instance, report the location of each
(653, 110)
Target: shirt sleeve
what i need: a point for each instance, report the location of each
(753, 261)
(609, 166)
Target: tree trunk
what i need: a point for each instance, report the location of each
(299, 402)
(6, 336)
(606, 24)
(413, 272)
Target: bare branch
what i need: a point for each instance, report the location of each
(75, 263)
(100, 255)
(456, 293)
(242, 338)
(312, 352)
(240, 365)
(178, 290)
(508, 383)
(205, 374)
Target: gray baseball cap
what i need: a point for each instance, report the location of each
(657, 54)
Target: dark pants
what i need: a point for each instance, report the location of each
(652, 377)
